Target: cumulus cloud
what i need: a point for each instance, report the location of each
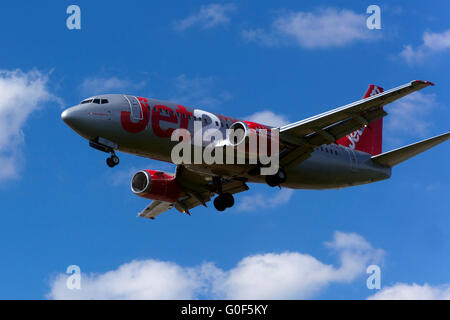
(209, 16)
(294, 275)
(403, 291)
(268, 118)
(287, 275)
(412, 111)
(259, 201)
(323, 28)
(432, 43)
(148, 279)
(100, 85)
(21, 93)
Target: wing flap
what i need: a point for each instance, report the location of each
(394, 157)
(155, 208)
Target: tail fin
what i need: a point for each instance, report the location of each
(394, 157)
(368, 139)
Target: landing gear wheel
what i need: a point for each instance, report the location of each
(223, 201)
(227, 199)
(276, 179)
(109, 162)
(219, 204)
(115, 159)
(271, 181)
(281, 176)
(112, 161)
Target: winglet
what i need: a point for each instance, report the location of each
(423, 82)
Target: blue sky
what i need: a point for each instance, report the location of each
(61, 205)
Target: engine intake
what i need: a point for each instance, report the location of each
(249, 135)
(155, 185)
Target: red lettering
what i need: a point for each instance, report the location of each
(157, 117)
(135, 127)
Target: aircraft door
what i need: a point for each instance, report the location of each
(135, 108)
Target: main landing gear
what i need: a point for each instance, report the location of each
(113, 160)
(276, 179)
(223, 200)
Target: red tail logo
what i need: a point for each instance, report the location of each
(367, 139)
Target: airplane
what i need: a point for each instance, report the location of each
(335, 149)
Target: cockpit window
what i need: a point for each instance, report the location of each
(104, 101)
(86, 101)
(96, 101)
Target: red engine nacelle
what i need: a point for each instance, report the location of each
(241, 132)
(155, 185)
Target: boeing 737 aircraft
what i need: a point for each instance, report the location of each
(335, 149)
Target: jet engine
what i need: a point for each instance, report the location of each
(155, 185)
(250, 135)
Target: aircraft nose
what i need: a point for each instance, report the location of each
(73, 117)
(65, 115)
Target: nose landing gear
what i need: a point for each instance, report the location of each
(113, 160)
(107, 146)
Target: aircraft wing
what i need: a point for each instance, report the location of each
(197, 190)
(303, 136)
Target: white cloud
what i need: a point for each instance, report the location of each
(327, 27)
(412, 111)
(148, 279)
(259, 201)
(208, 16)
(403, 291)
(21, 93)
(288, 275)
(294, 275)
(432, 43)
(268, 118)
(101, 85)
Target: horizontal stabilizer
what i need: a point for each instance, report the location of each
(394, 157)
